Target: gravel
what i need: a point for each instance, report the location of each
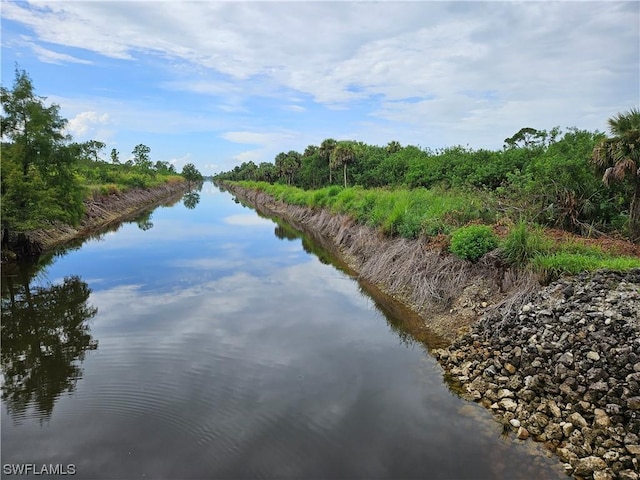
(564, 369)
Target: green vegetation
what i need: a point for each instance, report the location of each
(46, 176)
(463, 215)
(191, 174)
(472, 242)
(618, 158)
(523, 243)
(551, 178)
(582, 182)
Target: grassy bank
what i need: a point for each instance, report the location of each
(126, 181)
(467, 224)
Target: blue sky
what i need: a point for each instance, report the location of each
(219, 83)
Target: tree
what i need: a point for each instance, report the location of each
(618, 158)
(393, 147)
(91, 149)
(38, 182)
(280, 163)
(342, 155)
(114, 156)
(141, 157)
(326, 148)
(292, 164)
(191, 174)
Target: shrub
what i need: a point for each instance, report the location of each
(472, 242)
(522, 244)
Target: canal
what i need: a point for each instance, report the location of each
(205, 341)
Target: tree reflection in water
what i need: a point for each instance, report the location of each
(191, 199)
(45, 335)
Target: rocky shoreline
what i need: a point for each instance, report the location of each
(559, 364)
(565, 370)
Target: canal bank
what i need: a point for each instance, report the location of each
(542, 361)
(99, 213)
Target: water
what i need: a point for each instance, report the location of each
(209, 342)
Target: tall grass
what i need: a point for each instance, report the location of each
(413, 213)
(402, 212)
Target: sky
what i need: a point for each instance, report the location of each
(221, 83)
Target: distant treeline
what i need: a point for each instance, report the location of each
(552, 178)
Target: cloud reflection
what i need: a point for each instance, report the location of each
(246, 220)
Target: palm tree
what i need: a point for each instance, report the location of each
(618, 158)
(343, 154)
(326, 148)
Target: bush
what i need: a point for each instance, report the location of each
(522, 244)
(472, 242)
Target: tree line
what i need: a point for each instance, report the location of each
(575, 179)
(46, 175)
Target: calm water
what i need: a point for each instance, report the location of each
(209, 342)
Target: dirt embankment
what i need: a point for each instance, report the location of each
(449, 293)
(99, 212)
(559, 364)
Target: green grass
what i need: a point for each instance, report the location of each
(126, 182)
(414, 213)
(555, 264)
(403, 212)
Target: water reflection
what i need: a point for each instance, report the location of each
(191, 200)
(144, 221)
(406, 324)
(45, 334)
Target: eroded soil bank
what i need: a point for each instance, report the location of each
(99, 213)
(559, 364)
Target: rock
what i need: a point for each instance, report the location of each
(593, 356)
(633, 403)
(553, 431)
(633, 449)
(508, 404)
(601, 419)
(554, 409)
(603, 475)
(567, 455)
(567, 429)
(566, 359)
(577, 420)
(505, 393)
(611, 456)
(586, 466)
(564, 369)
(510, 368)
(628, 475)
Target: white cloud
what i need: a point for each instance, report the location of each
(86, 123)
(47, 55)
(475, 66)
(294, 108)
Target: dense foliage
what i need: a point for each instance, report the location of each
(546, 177)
